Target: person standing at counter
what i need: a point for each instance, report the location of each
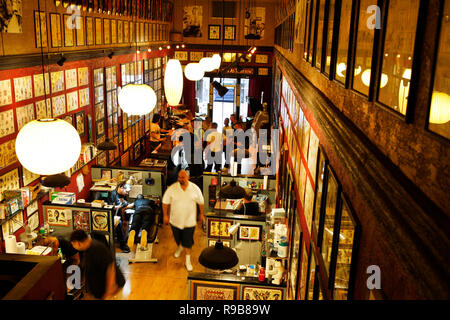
(155, 132)
(180, 210)
(249, 207)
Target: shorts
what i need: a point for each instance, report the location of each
(184, 236)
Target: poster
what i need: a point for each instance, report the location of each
(99, 221)
(7, 123)
(254, 24)
(58, 216)
(5, 92)
(80, 220)
(8, 153)
(261, 293)
(11, 16)
(24, 115)
(192, 21)
(203, 290)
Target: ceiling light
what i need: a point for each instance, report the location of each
(194, 71)
(107, 145)
(218, 257)
(221, 90)
(56, 181)
(217, 60)
(48, 146)
(137, 99)
(173, 82)
(440, 108)
(208, 64)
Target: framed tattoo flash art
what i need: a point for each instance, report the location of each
(89, 31)
(229, 32)
(55, 30)
(219, 227)
(261, 293)
(204, 290)
(80, 123)
(58, 216)
(40, 29)
(99, 221)
(81, 220)
(249, 233)
(68, 31)
(214, 32)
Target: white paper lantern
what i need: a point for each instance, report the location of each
(340, 69)
(194, 71)
(48, 146)
(440, 108)
(365, 77)
(136, 99)
(217, 60)
(173, 82)
(208, 64)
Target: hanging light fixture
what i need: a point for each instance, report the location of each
(365, 78)
(340, 69)
(404, 91)
(440, 108)
(173, 82)
(218, 257)
(232, 191)
(48, 146)
(107, 145)
(208, 64)
(136, 99)
(194, 71)
(217, 60)
(221, 90)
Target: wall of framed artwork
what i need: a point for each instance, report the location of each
(229, 32)
(55, 30)
(204, 290)
(214, 32)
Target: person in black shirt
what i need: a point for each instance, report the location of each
(143, 217)
(118, 199)
(249, 207)
(103, 279)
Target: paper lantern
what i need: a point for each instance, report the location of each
(194, 71)
(340, 69)
(365, 77)
(137, 99)
(403, 92)
(173, 82)
(440, 108)
(208, 64)
(358, 70)
(48, 146)
(217, 60)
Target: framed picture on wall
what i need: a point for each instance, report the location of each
(261, 58)
(229, 32)
(89, 31)
(221, 227)
(98, 31)
(247, 232)
(100, 126)
(113, 31)
(81, 220)
(107, 31)
(205, 290)
(55, 30)
(80, 123)
(120, 31)
(79, 30)
(196, 55)
(261, 293)
(68, 31)
(106, 174)
(58, 216)
(214, 32)
(33, 221)
(181, 55)
(99, 221)
(40, 29)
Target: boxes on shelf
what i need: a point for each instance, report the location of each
(63, 197)
(277, 215)
(98, 203)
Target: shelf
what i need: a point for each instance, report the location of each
(10, 217)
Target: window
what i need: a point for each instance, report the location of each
(344, 38)
(364, 49)
(329, 36)
(398, 54)
(439, 118)
(320, 22)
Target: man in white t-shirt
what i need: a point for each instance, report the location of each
(214, 148)
(180, 210)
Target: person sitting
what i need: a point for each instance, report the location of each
(249, 207)
(143, 218)
(155, 132)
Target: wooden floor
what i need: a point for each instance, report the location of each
(165, 279)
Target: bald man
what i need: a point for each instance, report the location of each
(180, 210)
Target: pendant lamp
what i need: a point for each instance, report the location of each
(56, 181)
(107, 145)
(137, 99)
(208, 64)
(48, 146)
(440, 108)
(218, 257)
(232, 191)
(194, 71)
(365, 77)
(217, 60)
(173, 82)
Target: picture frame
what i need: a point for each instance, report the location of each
(250, 232)
(207, 290)
(33, 221)
(90, 31)
(120, 31)
(113, 31)
(261, 293)
(69, 34)
(5, 92)
(79, 31)
(9, 181)
(68, 118)
(55, 30)
(100, 128)
(106, 31)
(261, 58)
(99, 221)
(83, 97)
(40, 29)
(80, 123)
(17, 222)
(8, 153)
(263, 71)
(214, 31)
(106, 174)
(81, 220)
(181, 55)
(28, 176)
(229, 32)
(220, 227)
(195, 56)
(58, 216)
(98, 31)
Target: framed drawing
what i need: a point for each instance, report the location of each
(72, 101)
(99, 221)
(83, 97)
(89, 31)
(229, 57)
(107, 31)
(17, 222)
(69, 119)
(58, 216)
(68, 31)
(32, 208)
(40, 29)
(39, 84)
(205, 290)
(83, 76)
(8, 153)
(23, 88)
(59, 105)
(9, 181)
(113, 31)
(229, 32)
(247, 232)
(126, 32)
(57, 81)
(55, 30)
(71, 78)
(196, 55)
(100, 128)
(263, 71)
(43, 109)
(221, 227)
(214, 32)
(98, 31)
(24, 115)
(81, 220)
(261, 58)
(28, 176)
(106, 174)
(80, 123)
(261, 293)
(181, 55)
(5, 92)
(120, 31)
(79, 31)
(33, 221)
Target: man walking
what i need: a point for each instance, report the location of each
(180, 210)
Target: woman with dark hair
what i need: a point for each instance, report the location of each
(155, 132)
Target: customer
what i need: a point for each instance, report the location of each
(214, 148)
(227, 133)
(118, 199)
(143, 217)
(103, 279)
(180, 210)
(249, 207)
(155, 132)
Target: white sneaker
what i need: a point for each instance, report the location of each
(188, 264)
(177, 253)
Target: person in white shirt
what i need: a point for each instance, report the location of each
(180, 210)
(214, 148)
(155, 132)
